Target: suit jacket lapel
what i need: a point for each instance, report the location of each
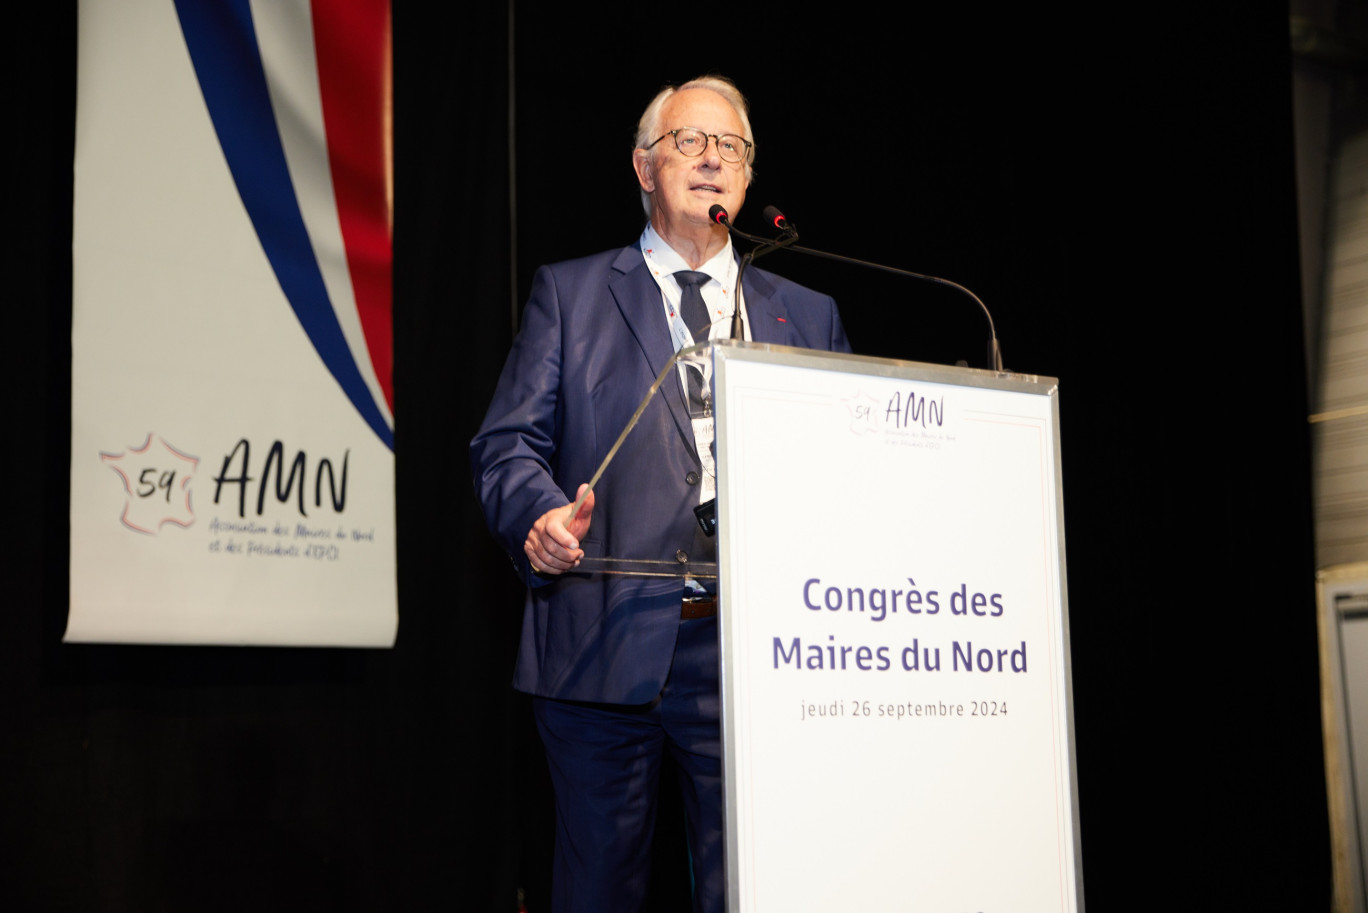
(768, 317)
(638, 298)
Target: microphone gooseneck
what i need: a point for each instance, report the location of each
(773, 215)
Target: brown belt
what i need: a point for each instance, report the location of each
(698, 607)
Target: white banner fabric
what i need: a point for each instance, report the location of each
(231, 483)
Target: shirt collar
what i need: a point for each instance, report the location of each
(721, 267)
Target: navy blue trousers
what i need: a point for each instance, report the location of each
(605, 767)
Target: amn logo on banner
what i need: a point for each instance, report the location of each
(232, 291)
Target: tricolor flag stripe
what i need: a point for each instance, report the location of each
(286, 33)
(353, 43)
(222, 41)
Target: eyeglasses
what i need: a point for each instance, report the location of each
(691, 141)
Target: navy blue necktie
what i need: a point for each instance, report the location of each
(697, 319)
(691, 306)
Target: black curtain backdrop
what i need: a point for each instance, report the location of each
(1119, 192)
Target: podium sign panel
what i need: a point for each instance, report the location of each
(894, 637)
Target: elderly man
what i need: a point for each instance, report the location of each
(622, 668)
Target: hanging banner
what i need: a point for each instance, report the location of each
(232, 445)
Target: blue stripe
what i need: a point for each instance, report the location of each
(222, 42)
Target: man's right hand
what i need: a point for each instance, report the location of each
(552, 544)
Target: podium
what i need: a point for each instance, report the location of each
(896, 713)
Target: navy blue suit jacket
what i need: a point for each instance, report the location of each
(594, 337)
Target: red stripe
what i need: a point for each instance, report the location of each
(352, 43)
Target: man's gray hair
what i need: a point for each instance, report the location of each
(649, 127)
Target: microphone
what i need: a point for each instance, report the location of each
(719, 215)
(776, 218)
